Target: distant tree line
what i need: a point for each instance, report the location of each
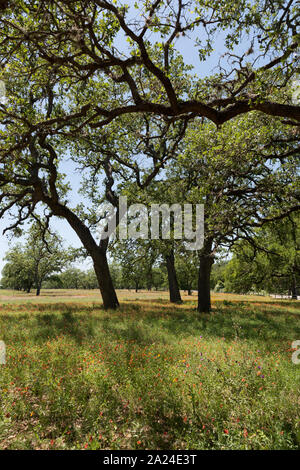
(269, 262)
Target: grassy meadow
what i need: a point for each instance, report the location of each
(149, 376)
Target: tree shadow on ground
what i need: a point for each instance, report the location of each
(149, 321)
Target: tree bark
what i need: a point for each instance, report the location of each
(294, 288)
(37, 278)
(175, 296)
(206, 262)
(108, 293)
(149, 279)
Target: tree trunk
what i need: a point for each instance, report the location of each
(294, 288)
(175, 296)
(37, 278)
(97, 253)
(189, 291)
(149, 279)
(109, 296)
(206, 262)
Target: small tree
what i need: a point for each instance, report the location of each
(32, 263)
(17, 272)
(187, 270)
(137, 258)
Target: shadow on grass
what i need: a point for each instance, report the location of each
(78, 327)
(155, 321)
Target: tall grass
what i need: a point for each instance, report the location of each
(150, 376)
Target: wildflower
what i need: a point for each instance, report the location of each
(139, 443)
(226, 431)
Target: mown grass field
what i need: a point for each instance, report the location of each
(150, 376)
